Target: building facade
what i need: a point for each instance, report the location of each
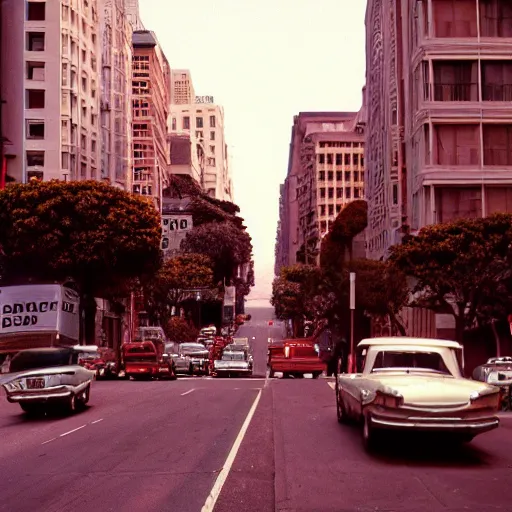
(53, 132)
(150, 102)
(116, 103)
(441, 148)
(203, 122)
(133, 14)
(325, 172)
(182, 88)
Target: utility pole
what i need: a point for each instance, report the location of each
(352, 367)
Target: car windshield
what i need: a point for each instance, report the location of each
(188, 347)
(31, 360)
(407, 361)
(233, 356)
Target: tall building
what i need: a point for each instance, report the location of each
(133, 14)
(150, 101)
(51, 89)
(182, 88)
(116, 103)
(325, 172)
(203, 122)
(439, 138)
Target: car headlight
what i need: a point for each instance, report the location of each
(488, 400)
(14, 385)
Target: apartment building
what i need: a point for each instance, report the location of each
(203, 122)
(133, 14)
(325, 172)
(116, 103)
(182, 88)
(439, 91)
(150, 102)
(51, 89)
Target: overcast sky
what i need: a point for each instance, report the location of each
(264, 61)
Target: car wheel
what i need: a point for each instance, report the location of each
(340, 409)
(270, 373)
(83, 398)
(316, 375)
(370, 440)
(70, 406)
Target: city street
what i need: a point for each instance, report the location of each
(242, 445)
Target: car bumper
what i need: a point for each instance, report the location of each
(45, 395)
(471, 426)
(233, 370)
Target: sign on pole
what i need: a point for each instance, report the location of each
(352, 290)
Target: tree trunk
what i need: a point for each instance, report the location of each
(350, 250)
(396, 323)
(459, 327)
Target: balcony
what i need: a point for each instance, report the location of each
(456, 92)
(497, 92)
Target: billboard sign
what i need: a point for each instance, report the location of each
(39, 308)
(174, 230)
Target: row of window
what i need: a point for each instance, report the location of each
(459, 144)
(329, 192)
(339, 144)
(341, 175)
(36, 158)
(199, 123)
(341, 159)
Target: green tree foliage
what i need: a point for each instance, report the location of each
(458, 268)
(178, 329)
(173, 282)
(96, 234)
(225, 244)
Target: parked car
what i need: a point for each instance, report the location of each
(182, 362)
(497, 372)
(199, 357)
(44, 377)
(415, 384)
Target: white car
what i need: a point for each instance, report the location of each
(43, 377)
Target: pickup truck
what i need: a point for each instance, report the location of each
(294, 357)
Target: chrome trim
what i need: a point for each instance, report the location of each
(437, 424)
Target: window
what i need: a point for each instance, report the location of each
(422, 361)
(347, 175)
(322, 210)
(84, 84)
(339, 193)
(330, 193)
(173, 124)
(83, 170)
(35, 129)
(64, 160)
(455, 80)
(454, 18)
(212, 121)
(35, 158)
(356, 175)
(212, 135)
(36, 11)
(497, 144)
(347, 159)
(339, 159)
(186, 123)
(199, 122)
(456, 144)
(321, 176)
(395, 193)
(339, 175)
(212, 150)
(454, 203)
(93, 146)
(329, 158)
(35, 41)
(330, 175)
(83, 142)
(322, 193)
(355, 159)
(35, 98)
(321, 158)
(338, 208)
(35, 71)
(498, 199)
(331, 210)
(495, 18)
(211, 162)
(497, 80)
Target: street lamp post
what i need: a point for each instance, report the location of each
(352, 358)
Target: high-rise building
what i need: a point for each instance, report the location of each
(182, 88)
(133, 14)
(325, 172)
(439, 87)
(150, 100)
(116, 88)
(51, 89)
(203, 122)
(439, 135)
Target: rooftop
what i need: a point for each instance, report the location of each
(411, 342)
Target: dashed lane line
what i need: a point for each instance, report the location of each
(188, 392)
(72, 431)
(332, 385)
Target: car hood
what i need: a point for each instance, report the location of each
(430, 390)
(197, 353)
(9, 377)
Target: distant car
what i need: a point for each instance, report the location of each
(235, 360)
(271, 322)
(46, 377)
(415, 384)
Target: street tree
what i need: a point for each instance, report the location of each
(224, 243)
(456, 267)
(97, 235)
(178, 329)
(174, 283)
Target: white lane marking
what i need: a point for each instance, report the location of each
(49, 441)
(74, 430)
(223, 475)
(332, 385)
(187, 392)
(97, 421)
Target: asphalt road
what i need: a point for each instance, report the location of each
(168, 446)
